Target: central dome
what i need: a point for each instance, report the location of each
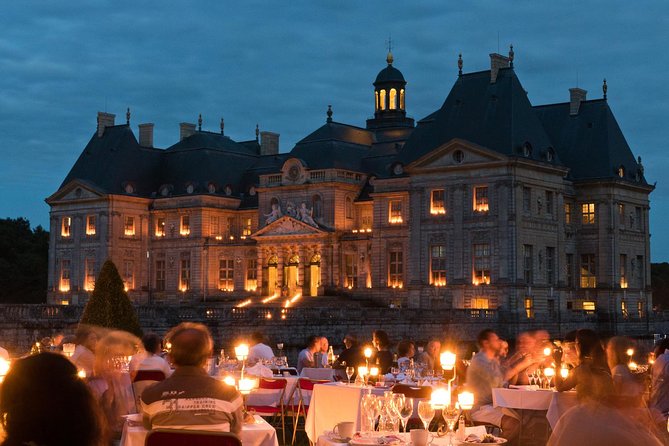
(389, 74)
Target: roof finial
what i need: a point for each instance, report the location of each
(199, 123)
(257, 132)
(389, 57)
(127, 116)
(329, 113)
(460, 64)
(222, 127)
(511, 54)
(605, 88)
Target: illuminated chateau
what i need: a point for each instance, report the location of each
(487, 203)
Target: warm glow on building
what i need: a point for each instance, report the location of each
(244, 303)
(90, 225)
(481, 199)
(66, 227)
(160, 227)
(129, 227)
(184, 229)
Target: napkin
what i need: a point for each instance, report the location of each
(524, 387)
(259, 370)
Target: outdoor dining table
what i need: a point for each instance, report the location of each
(554, 403)
(265, 397)
(329, 440)
(259, 433)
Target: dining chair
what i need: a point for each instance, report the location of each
(142, 380)
(304, 389)
(180, 437)
(274, 392)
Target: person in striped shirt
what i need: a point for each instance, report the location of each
(190, 398)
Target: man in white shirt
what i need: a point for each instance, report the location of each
(258, 350)
(150, 360)
(306, 356)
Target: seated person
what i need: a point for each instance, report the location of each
(150, 359)
(406, 350)
(44, 402)
(352, 356)
(306, 357)
(659, 385)
(190, 398)
(430, 357)
(383, 357)
(84, 352)
(625, 385)
(258, 350)
(485, 373)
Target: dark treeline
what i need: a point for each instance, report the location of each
(24, 256)
(659, 277)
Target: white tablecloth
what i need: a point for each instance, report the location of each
(265, 397)
(318, 373)
(325, 440)
(332, 403)
(555, 403)
(258, 434)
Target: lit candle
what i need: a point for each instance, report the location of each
(374, 371)
(81, 373)
(229, 380)
(246, 385)
(630, 352)
(564, 372)
(362, 371)
(368, 352)
(466, 400)
(242, 351)
(548, 351)
(633, 366)
(447, 360)
(441, 397)
(68, 349)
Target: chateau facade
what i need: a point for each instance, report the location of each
(487, 203)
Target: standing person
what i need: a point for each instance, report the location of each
(306, 356)
(430, 357)
(259, 351)
(383, 357)
(485, 373)
(190, 398)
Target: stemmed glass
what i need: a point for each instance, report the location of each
(280, 347)
(530, 376)
(426, 413)
(371, 407)
(349, 372)
(406, 410)
(451, 415)
(397, 400)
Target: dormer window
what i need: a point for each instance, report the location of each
(550, 154)
(190, 189)
(392, 99)
(66, 227)
(382, 100)
(621, 171)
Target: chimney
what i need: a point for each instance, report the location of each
(576, 96)
(497, 61)
(185, 130)
(146, 135)
(269, 143)
(105, 120)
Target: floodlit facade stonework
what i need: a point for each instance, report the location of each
(487, 204)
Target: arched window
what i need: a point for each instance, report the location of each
(392, 99)
(376, 100)
(317, 206)
(348, 210)
(402, 99)
(382, 100)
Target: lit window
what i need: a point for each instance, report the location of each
(185, 225)
(481, 264)
(376, 99)
(128, 275)
(589, 306)
(623, 309)
(481, 199)
(348, 208)
(402, 99)
(588, 213)
(160, 275)
(184, 275)
(437, 204)
(395, 269)
(366, 218)
(226, 275)
(351, 271)
(247, 227)
(567, 213)
(550, 265)
(64, 285)
(160, 227)
(480, 303)
(90, 225)
(129, 226)
(89, 278)
(251, 275)
(528, 264)
(621, 171)
(214, 226)
(588, 274)
(623, 270)
(621, 215)
(640, 309)
(395, 212)
(392, 98)
(382, 100)
(438, 265)
(66, 227)
(529, 307)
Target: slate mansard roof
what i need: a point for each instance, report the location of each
(495, 115)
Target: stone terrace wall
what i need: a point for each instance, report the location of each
(21, 325)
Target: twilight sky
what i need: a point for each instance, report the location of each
(280, 63)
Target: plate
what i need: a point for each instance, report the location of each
(335, 439)
(498, 440)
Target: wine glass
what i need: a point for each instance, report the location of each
(397, 400)
(406, 410)
(426, 413)
(529, 376)
(451, 415)
(349, 372)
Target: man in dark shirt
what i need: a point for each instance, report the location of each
(190, 398)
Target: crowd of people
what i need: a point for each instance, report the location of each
(45, 401)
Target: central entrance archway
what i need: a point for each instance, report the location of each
(291, 275)
(272, 265)
(313, 275)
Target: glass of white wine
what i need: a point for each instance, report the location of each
(406, 410)
(426, 413)
(349, 373)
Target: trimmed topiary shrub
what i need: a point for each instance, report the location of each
(109, 305)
